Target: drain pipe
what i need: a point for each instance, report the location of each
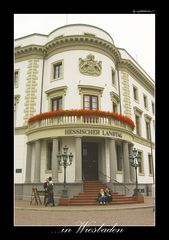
(43, 66)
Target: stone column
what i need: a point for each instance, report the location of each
(54, 160)
(37, 162)
(113, 160)
(28, 163)
(107, 160)
(126, 163)
(132, 170)
(78, 159)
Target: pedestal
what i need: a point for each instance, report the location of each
(65, 193)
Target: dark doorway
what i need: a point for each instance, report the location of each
(90, 160)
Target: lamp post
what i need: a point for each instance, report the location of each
(134, 161)
(65, 160)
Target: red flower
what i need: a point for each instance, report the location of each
(81, 112)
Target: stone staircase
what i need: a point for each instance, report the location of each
(89, 195)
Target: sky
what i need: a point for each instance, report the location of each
(133, 32)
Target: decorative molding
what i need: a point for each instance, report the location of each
(62, 91)
(147, 117)
(31, 88)
(92, 43)
(137, 111)
(69, 41)
(114, 97)
(126, 94)
(126, 64)
(20, 130)
(16, 99)
(142, 141)
(84, 88)
(89, 66)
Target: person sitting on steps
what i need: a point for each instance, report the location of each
(108, 195)
(101, 197)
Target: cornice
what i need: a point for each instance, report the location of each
(143, 141)
(147, 117)
(29, 50)
(137, 110)
(129, 65)
(73, 40)
(115, 96)
(66, 43)
(20, 130)
(90, 87)
(50, 91)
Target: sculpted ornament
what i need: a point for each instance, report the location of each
(89, 66)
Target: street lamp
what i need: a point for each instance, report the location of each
(65, 160)
(134, 161)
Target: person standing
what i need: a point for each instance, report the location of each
(45, 186)
(50, 193)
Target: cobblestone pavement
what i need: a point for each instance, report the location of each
(123, 215)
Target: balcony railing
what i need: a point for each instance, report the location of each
(39, 121)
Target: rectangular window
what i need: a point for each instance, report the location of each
(16, 79)
(15, 114)
(113, 78)
(57, 103)
(150, 163)
(145, 101)
(140, 168)
(148, 130)
(135, 93)
(90, 102)
(57, 70)
(153, 109)
(115, 107)
(119, 157)
(49, 156)
(138, 132)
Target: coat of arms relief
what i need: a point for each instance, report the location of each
(89, 66)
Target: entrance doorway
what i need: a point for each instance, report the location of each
(90, 160)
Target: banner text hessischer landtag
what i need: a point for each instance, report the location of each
(93, 132)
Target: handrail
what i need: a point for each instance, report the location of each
(125, 187)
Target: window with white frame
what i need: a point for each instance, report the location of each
(57, 72)
(148, 129)
(115, 101)
(141, 163)
(113, 75)
(138, 116)
(56, 103)
(153, 108)
(16, 78)
(115, 107)
(138, 125)
(135, 93)
(145, 99)
(150, 164)
(90, 102)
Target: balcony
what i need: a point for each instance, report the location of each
(78, 119)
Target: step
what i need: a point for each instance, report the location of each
(90, 193)
(98, 204)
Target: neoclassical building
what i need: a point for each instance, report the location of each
(74, 87)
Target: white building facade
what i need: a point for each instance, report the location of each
(73, 87)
